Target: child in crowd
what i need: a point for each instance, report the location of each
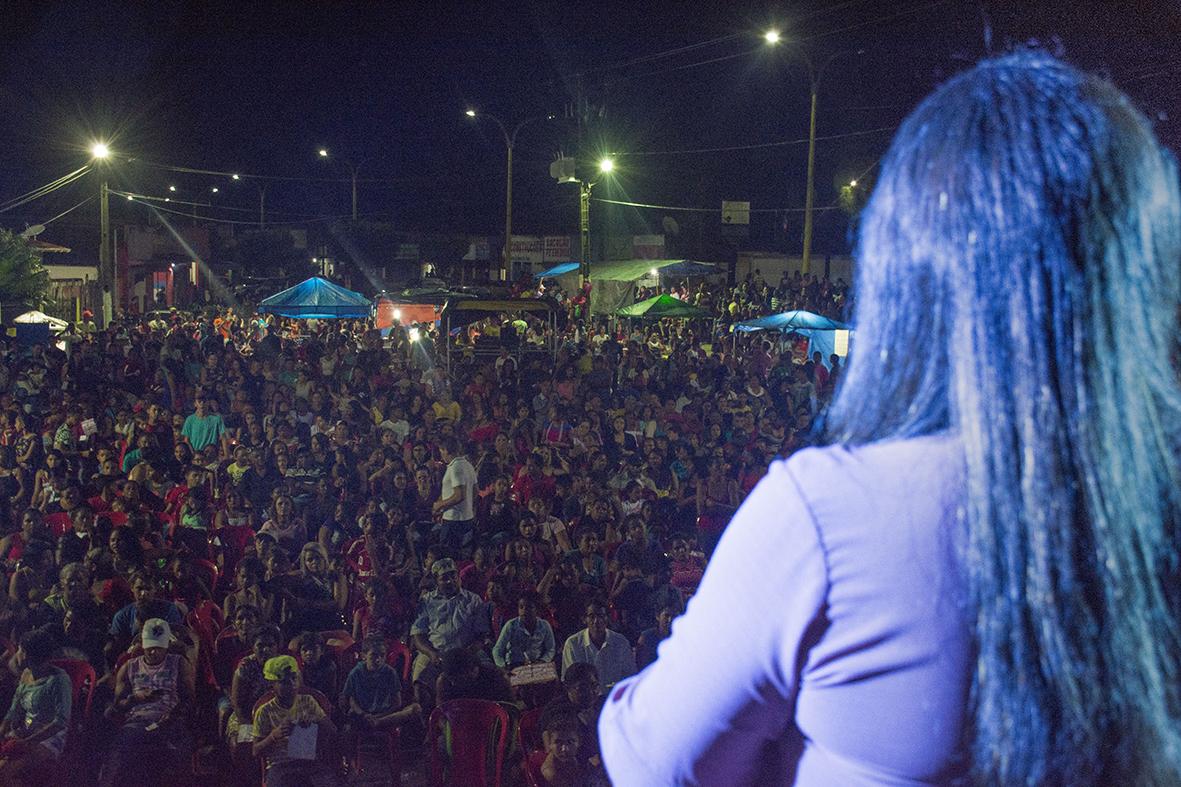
(289, 714)
(318, 668)
(562, 766)
(372, 695)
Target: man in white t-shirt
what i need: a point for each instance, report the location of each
(457, 499)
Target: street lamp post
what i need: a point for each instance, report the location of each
(772, 38)
(510, 140)
(810, 190)
(100, 152)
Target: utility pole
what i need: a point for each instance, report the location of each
(584, 195)
(262, 206)
(510, 141)
(506, 259)
(810, 190)
(106, 261)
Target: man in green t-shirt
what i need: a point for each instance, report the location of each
(204, 428)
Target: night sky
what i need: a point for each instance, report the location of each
(257, 87)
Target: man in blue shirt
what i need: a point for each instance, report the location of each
(526, 639)
(448, 618)
(126, 623)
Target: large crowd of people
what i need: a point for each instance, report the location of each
(278, 543)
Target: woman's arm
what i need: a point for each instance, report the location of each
(340, 590)
(712, 731)
(38, 489)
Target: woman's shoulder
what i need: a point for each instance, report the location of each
(863, 494)
(874, 466)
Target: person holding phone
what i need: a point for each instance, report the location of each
(154, 693)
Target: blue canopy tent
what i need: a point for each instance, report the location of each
(558, 270)
(317, 298)
(820, 331)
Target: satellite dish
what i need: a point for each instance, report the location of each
(32, 231)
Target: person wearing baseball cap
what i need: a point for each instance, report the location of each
(155, 692)
(275, 722)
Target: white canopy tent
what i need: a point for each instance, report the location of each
(36, 318)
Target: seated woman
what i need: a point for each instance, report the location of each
(155, 691)
(249, 591)
(234, 642)
(34, 730)
(247, 686)
(315, 598)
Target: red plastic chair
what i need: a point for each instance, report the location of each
(529, 730)
(59, 524)
(228, 650)
(343, 647)
(533, 763)
(479, 734)
(208, 616)
(82, 680)
(399, 656)
(208, 572)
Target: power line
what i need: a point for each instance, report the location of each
(879, 20)
(708, 210)
(656, 56)
(216, 220)
(42, 190)
(685, 66)
(174, 201)
(67, 210)
(759, 145)
(288, 178)
(667, 53)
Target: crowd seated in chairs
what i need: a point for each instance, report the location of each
(254, 490)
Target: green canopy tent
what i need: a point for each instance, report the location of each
(662, 307)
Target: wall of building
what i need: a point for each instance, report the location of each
(772, 266)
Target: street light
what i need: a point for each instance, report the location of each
(235, 176)
(214, 189)
(172, 188)
(772, 38)
(606, 167)
(852, 184)
(353, 170)
(106, 261)
(510, 139)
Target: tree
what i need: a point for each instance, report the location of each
(268, 252)
(23, 278)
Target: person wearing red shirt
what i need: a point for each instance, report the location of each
(532, 482)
